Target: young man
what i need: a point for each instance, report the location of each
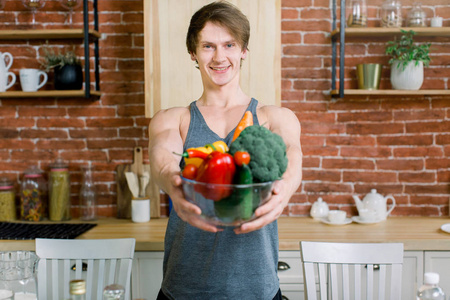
(202, 261)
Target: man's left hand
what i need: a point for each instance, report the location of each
(268, 212)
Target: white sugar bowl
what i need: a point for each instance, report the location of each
(319, 209)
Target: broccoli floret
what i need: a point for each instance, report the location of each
(267, 151)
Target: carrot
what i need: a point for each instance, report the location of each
(247, 120)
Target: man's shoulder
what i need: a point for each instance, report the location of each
(273, 110)
(172, 112)
(170, 117)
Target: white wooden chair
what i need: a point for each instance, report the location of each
(371, 271)
(99, 262)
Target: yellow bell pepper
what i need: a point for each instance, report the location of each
(216, 146)
(220, 146)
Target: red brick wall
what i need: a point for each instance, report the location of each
(398, 145)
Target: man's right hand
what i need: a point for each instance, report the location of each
(186, 210)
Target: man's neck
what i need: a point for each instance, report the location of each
(223, 96)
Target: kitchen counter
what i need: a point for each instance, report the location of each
(417, 233)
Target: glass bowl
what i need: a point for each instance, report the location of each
(227, 204)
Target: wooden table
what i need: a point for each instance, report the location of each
(417, 233)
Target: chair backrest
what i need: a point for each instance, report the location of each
(352, 270)
(99, 262)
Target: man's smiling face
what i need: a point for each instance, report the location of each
(218, 55)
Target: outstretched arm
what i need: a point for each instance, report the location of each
(165, 140)
(283, 122)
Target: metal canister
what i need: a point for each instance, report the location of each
(7, 200)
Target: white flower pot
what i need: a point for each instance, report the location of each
(411, 78)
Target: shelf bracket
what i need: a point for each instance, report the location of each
(342, 51)
(334, 41)
(87, 88)
(333, 49)
(96, 49)
(87, 73)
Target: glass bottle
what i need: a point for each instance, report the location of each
(88, 195)
(416, 16)
(59, 191)
(430, 289)
(77, 289)
(114, 292)
(33, 195)
(7, 200)
(357, 13)
(391, 14)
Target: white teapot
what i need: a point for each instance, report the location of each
(376, 202)
(319, 209)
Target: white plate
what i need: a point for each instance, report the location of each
(446, 227)
(358, 219)
(326, 221)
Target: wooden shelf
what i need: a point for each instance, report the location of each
(39, 94)
(384, 31)
(348, 92)
(46, 34)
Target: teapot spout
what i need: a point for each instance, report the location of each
(358, 202)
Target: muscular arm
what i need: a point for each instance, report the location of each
(165, 140)
(283, 122)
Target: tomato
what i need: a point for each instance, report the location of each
(241, 158)
(190, 171)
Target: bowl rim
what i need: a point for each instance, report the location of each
(250, 185)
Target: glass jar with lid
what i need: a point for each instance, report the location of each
(357, 13)
(114, 292)
(416, 16)
(33, 195)
(77, 289)
(59, 191)
(391, 14)
(7, 200)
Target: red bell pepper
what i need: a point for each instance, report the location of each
(217, 168)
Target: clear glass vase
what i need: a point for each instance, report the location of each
(88, 195)
(391, 14)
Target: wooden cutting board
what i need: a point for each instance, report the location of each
(124, 195)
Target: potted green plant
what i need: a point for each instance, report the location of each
(407, 61)
(67, 68)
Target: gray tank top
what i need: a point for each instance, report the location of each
(223, 265)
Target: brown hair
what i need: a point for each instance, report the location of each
(221, 13)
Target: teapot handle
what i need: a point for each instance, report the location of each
(392, 206)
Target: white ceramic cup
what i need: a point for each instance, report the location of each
(367, 215)
(436, 22)
(337, 216)
(140, 210)
(30, 79)
(4, 78)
